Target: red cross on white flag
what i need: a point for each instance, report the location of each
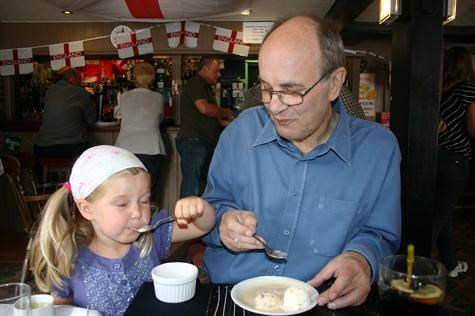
(133, 44)
(67, 54)
(182, 33)
(230, 42)
(16, 61)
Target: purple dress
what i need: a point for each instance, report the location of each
(109, 285)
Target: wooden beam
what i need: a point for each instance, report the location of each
(344, 12)
(416, 72)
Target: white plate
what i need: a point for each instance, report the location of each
(59, 310)
(69, 310)
(244, 293)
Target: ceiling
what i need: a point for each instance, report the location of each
(260, 10)
(358, 18)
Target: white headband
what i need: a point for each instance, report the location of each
(97, 164)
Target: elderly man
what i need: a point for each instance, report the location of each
(314, 182)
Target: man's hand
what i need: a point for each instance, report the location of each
(352, 284)
(227, 116)
(236, 231)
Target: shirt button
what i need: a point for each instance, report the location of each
(276, 268)
(295, 194)
(286, 232)
(315, 250)
(117, 265)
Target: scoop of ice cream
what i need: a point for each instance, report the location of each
(295, 298)
(268, 301)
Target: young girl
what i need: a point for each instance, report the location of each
(85, 253)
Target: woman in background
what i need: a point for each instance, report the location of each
(456, 128)
(141, 110)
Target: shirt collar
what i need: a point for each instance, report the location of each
(339, 141)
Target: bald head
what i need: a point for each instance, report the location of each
(309, 38)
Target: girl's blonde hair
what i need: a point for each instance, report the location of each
(62, 231)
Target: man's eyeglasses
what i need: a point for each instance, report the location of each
(289, 98)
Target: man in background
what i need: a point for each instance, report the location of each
(67, 115)
(202, 120)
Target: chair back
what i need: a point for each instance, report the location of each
(24, 190)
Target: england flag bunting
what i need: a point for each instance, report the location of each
(16, 61)
(67, 54)
(179, 33)
(230, 42)
(134, 44)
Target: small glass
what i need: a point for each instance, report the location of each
(15, 299)
(418, 294)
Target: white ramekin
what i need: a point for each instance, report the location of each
(174, 282)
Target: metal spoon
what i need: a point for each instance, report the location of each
(271, 252)
(147, 227)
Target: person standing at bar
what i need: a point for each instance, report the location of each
(67, 115)
(456, 128)
(202, 120)
(141, 110)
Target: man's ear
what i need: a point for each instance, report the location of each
(85, 209)
(337, 80)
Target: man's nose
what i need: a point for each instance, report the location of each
(275, 106)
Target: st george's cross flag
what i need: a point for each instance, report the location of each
(134, 44)
(67, 54)
(230, 41)
(16, 61)
(179, 33)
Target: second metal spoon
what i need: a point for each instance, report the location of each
(271, 252)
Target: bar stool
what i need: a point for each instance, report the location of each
(56, 165)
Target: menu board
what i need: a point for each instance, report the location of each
(254, 32)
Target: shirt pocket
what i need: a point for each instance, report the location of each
(332, 220)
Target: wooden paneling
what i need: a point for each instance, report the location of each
(170, 174)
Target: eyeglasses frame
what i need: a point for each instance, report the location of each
(302, 94)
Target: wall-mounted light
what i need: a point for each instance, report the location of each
(67, 12)
(389, 10)
(450, 10)
(246, 12)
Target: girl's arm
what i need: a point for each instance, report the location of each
(195, 217)
(471, 120)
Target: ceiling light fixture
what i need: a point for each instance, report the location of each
(246, 12)
(450, 11)
(389, 10)
(67, 12)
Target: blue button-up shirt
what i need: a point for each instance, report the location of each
(343, 195)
